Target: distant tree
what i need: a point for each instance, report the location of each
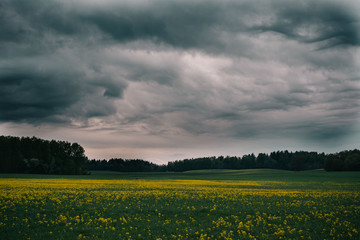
(248, 161)
(284, 160)
(35, 155)
(125, 165)
(260, 160)
(351, 160)
(231, 163)
(265, 161)
(348, 160)
(78, 156)
(298, 161)
(333, 162)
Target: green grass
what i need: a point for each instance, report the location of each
(203, 204)
(318, 176)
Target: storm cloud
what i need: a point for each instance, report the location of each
(170, 71)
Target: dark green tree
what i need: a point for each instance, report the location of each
(333, 162)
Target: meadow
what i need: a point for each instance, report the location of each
(209, 204)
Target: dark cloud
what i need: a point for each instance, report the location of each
(126, 25)
(236, 69)
(55, 91)
(211, 26)
(200, 25)
(207, 24)
(327, 23)
(29, 94)
(29, 22)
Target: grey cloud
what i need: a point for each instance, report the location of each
(111, 88)
(147, 74)
(207, 25)
(113, 91)
(279, 102)
(303, 97)
(320, 131)
(30, 21)
(92, 105)
(204, 24)
(328, 23)
(182, 24)
(209, 99)
(124, 26)
(50, 92)
(32, 94)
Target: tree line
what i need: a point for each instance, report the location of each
(285, 160)
(125, 165)
(297, 161)
(35, 155)
(343, 161)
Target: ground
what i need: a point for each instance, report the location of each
(206, 204)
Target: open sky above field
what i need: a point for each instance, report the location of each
(164, 80)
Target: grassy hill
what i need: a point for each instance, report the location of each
(316, 176)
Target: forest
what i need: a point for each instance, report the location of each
(285, 160)
(126, 165)
(35, 155)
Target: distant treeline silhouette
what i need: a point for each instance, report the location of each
(343, 161)
(276, 160)
(126, 165)
(34, 155)
(296, 161)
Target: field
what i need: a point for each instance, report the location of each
(218, 204)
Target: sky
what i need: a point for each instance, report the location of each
(167, 80)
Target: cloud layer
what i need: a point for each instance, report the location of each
(171, 71)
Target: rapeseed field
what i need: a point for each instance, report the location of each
(177, 209)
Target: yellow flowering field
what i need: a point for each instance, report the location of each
(34, 208)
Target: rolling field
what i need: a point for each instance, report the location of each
(208, 204)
